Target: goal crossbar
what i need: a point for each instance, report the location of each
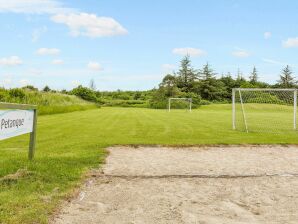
(260, 89)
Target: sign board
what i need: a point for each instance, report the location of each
(15, 122)
(18, 119)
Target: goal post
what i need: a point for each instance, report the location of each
(264, 109)
(188, 100)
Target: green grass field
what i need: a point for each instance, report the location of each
(69, 144)
(272, 118)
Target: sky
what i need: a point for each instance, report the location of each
(132, 44)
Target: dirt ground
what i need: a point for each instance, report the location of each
(202, 185)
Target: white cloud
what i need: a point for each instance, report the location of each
(79, 23)
(34, 7)
(95, 66)
(11, 61)
(36, 34)
(267, 35)
(48, 51)
(57, 62)
(189, 51)
(271, 61)
(290, 42)
(240, 53)
(84, 24)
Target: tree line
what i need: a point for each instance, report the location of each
(203, 86)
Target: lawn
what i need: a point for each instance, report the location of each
(69, 144)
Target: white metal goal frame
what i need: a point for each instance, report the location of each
(184, 99)
(241, 90)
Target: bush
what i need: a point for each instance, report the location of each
(205, 102)
(46, 89)
(18, 94)
(85, 93)
(30, 87)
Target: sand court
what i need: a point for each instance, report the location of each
(222, 184)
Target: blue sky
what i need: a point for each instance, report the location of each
(132, 44)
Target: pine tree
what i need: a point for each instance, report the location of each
(186, 75)
(240, 75)
(286, 78)
(92, 85)
(206, 73)
(253, 78)
(209, 87)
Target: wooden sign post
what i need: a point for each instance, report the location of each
(19, 119)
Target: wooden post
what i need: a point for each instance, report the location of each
(33, 137)
(13, 106)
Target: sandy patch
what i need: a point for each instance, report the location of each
(213, 185)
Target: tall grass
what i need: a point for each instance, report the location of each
(47, 102)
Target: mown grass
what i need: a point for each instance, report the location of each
(58, 109)
(71, 143)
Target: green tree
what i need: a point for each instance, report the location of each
(85, 93)
(212, 89)
(46, 89)
(240, 80)
(169, 84)
(208, 86)
(92, 85)
(206, 73)
(186, 75)
(137, 95)
(286, 78)
(229, 83)
(253, 78)
(239, 75)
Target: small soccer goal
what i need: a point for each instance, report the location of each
(264, 110)
(180, 103)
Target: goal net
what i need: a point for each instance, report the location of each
(264, 110)
(180, 103)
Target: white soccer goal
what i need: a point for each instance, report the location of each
(187, 100)
(264, 110)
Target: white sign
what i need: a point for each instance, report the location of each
(15, 122)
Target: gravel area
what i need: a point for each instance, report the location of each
(228, 185)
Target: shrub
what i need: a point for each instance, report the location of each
(46, 89)
(30, 87)
(85, 93)
(19, 94)
(205, 102)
